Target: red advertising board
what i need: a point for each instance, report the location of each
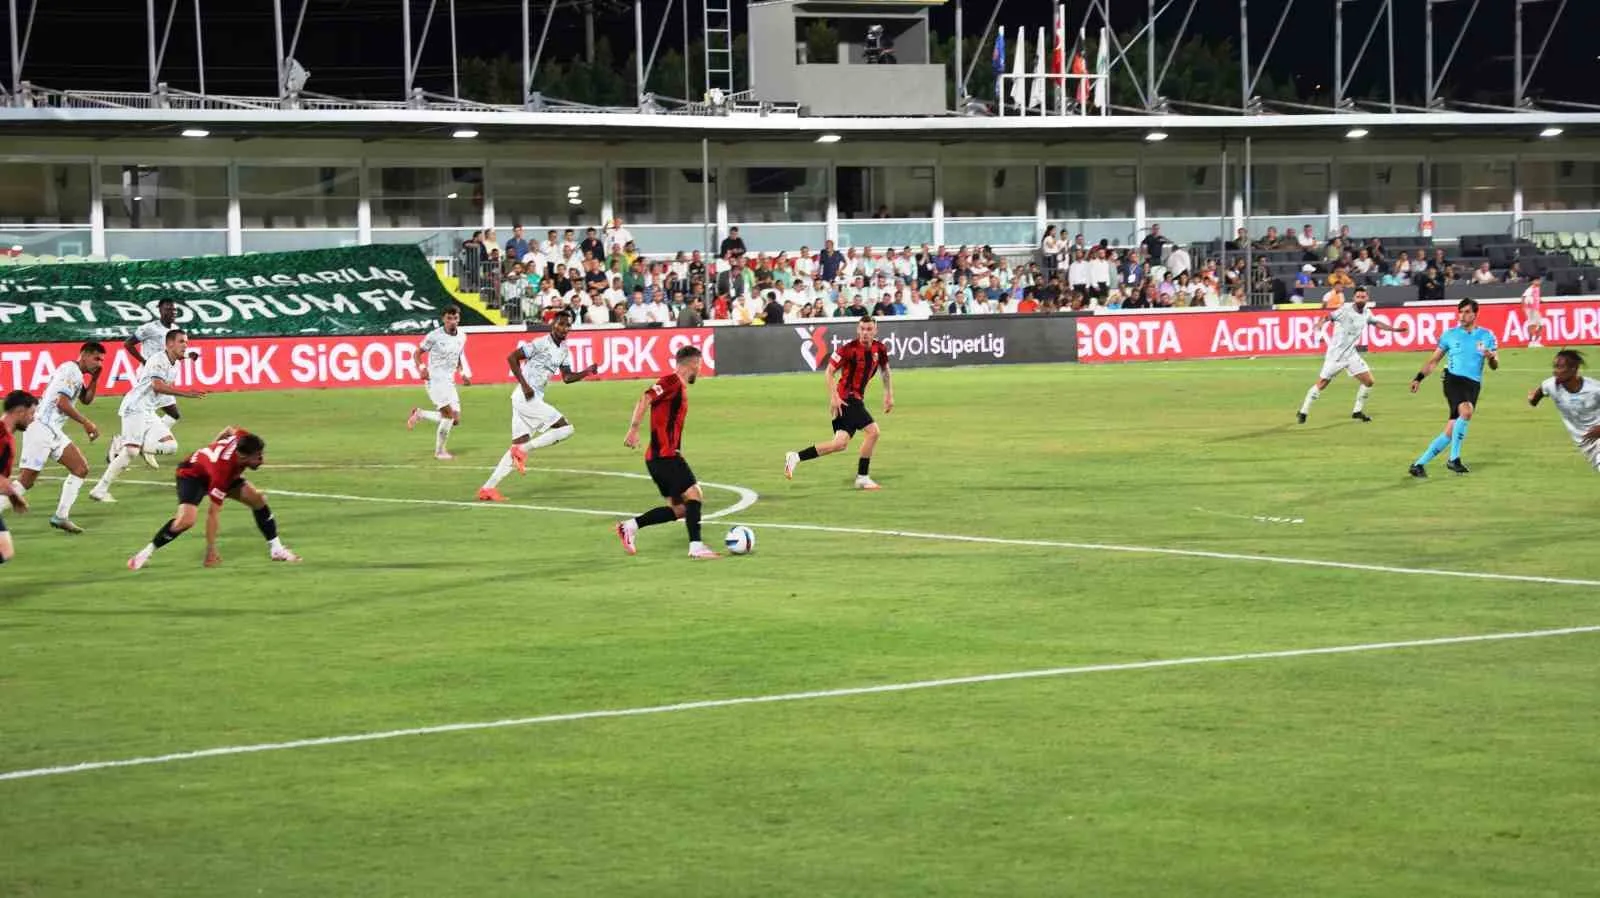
(1214, 335)
(287, 363)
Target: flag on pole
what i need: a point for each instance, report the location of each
(1080, 67)
(1058, 58)
(999, 63)
(1019, 85)
(1102, 67)
(1036, 96)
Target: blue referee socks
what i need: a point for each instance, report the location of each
(1434, 448)
(1457, 437)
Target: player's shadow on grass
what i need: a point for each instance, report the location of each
(1287, 427)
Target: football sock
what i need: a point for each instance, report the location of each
(429, 416)
(69, 495)
(1361, 397)
(808, 453)
(119, 464)
(1311, 396)
(1434, 448)
(1457, 438)
(662, 515)
(862, 465)
(444, 434)
(162, 537)
(266, 523)
(551, 437)
(691, 519)
(500, 471)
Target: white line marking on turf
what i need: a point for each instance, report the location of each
(960, 538)
(747, 496)
(1180, 553)
(788, 697)
(1258, 518)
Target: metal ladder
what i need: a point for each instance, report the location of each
(718, 29)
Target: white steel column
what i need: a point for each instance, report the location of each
(364, 205)
(608, 191)
(1427, 194)
(97, 210)
(832, 232)
(722, 207)
(487, 184)
(235, 220)
(938, 203)
(1041, 210)
(1516, 192)
(1139, 219)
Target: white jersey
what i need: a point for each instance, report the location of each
(444, 354)
(143, 398)
(542, 360)
(66, 380)
(1580, 411)
(152, 337)
(1349, 326)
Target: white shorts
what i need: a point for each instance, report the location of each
(442, 395)
(1352, 362)
(530, 417)
(145, 431)
(41, 445)
(1592, 453)
(1535, 320)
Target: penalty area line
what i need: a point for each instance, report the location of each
(709, 704)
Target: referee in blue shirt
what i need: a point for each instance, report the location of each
(1468, 347)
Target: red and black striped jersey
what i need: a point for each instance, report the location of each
(669, 406)
(856, 363)
(218, 464)
(8, 450)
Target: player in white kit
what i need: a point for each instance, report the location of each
(47, 440)
(148, 341)
(144, 434)
(535, 424)
(445, 349)
(1578, 399)
(1531, 301)
(1350, 323)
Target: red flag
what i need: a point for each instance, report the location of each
(1080, 67)
(1058, 57)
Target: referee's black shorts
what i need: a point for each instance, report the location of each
(853, 417)
(1459, 389)
(672, 476)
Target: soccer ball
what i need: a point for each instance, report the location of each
(741, 540)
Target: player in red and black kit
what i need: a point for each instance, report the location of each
(217, 471)
(19, 410)
(854, 363)
(668, 402)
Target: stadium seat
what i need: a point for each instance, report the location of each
(1564, 240)
(1580, 238)
(1594, 238)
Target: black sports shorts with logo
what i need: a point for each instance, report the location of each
(672, 476)
(1459, 389)
(853, 417)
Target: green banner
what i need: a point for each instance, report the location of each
(356, 290)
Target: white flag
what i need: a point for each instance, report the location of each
(1102, 67)
(1036, 96)
(1019, 85)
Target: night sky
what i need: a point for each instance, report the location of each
(354, 48)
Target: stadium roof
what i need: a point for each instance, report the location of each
(492, 124)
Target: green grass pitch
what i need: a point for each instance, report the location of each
(1448, 770)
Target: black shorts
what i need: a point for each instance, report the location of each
(853, 417)
(672, 476)
(2, 523)
(1458, 390)
(194, 490)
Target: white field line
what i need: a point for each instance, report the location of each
(708, 704)
(747, 497)
(952, 537)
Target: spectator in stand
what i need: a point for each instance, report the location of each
(691, 313)
(1167, 290)
(732, 245)
(1363, 264)
(855, 309)
(735, 281)
(918, 308)
(1334, 251)
(517, 246)
(597, 312)
(512, 290)
(1078, 271)
(883, 212)
(635, 277)
(1393, 279)
(830, 263)
(1270, 241)
(884, 307)
(1430, 285)
(1514, 274)
(1439, 261)
(1305, 281)
(637, 310)
(1402, 266)
(1049, 250)
(1178, 260)
(592, 247)
(1484, 276)
(721, 307)
(1100, 275)
(617, 236)
(1241, 240)
(905, 267)
(1154, 244)
(1308, 243)
(616, 293)
(657, 309)
(772, 312)
(1452, 276)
